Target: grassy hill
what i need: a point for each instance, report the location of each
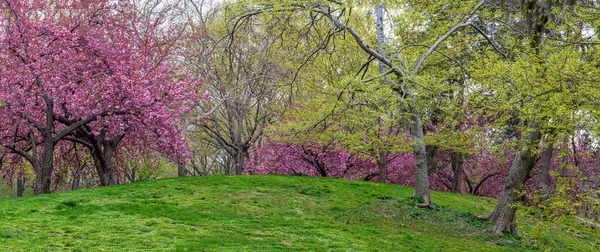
(265, 213)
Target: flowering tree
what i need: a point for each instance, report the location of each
(72, 67)
(484, 171)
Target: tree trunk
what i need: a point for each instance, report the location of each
(103, 161)
(457, 168)
(181, 171)
(106, 176)
(380, 35)
(76, 181)
(239, 162)
(45, 166)
(504, 213)
(43, 179)
(421, 173)
(20, 187)
(382, 161)
(564, 165)
(542, 179)
(382, 164)
(536, 15)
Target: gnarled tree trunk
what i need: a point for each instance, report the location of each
(536, 18)
(102, 150)
(523, 163)
(103, 161)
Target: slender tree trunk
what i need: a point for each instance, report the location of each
(382, 161)
(380, 35)
(20, 187)
(382, 164)
(457, 168)
(564, 166)
(542, 179)
(76, 181)
(181, 168)
(523, 163)
(421, 173)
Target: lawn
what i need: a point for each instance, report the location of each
(267, 213)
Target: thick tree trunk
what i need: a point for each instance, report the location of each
(103, 161)
(523, 163)
(457, 168)
(421, 173)
(43, 179)
(45, 166)
(102, 150)
(181, 171)
(239, 162)
(542, 179)
(105, 174)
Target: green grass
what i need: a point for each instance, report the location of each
(265, 213)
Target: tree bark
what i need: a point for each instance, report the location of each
(457, 168)
(382, 161)
(421, 173)
(239, 162)
(523, 163)
(20, 187)
(542, 179)
(76, 181)
(102, 151)
(45, 166)
(181, 170)
(103, 161)
(382, 165)
(380, 36)
(43, 178)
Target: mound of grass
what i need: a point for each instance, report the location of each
(265, 213)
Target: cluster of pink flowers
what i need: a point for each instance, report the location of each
(484, 172)
(93, 65)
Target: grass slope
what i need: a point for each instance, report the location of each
(262, 213)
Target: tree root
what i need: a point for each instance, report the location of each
(426, 204)
(500, 227)
(486, 217)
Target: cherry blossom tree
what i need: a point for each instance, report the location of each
(70, 64)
